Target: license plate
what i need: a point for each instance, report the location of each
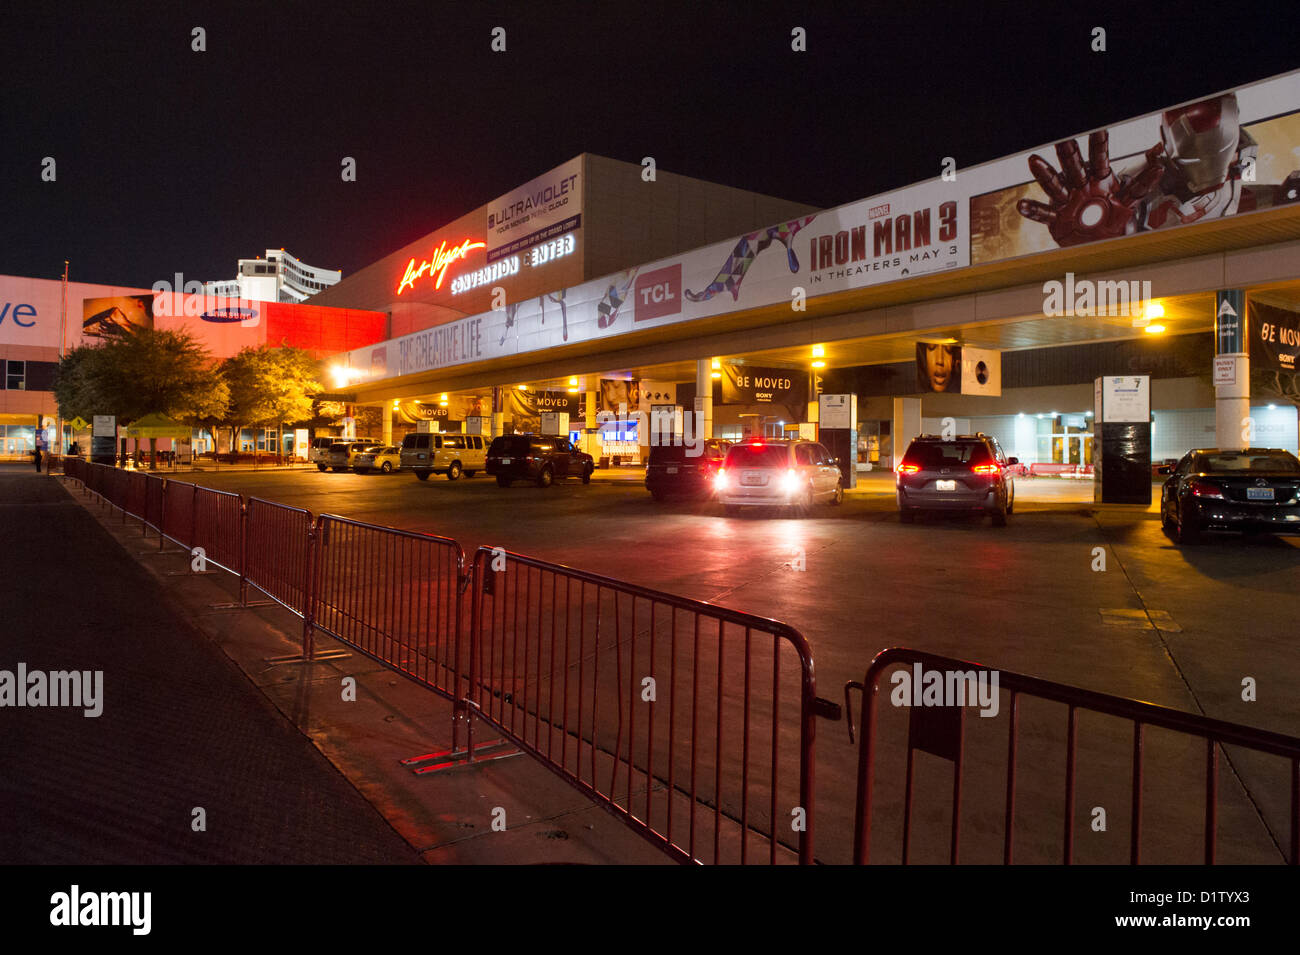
(945, 485)
(1259, 494)
(505, 460)
(752, 480)
(671, 470)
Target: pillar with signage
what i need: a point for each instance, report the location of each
(1231, 370)
(555, 423)
(103, 439)
(837, 416)
(1121, 439)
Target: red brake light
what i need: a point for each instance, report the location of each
(1201, 489)
(756, 444)
(985, 469)
(908, 468)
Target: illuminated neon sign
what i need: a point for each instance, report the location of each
(442, 258)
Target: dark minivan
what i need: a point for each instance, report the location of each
(532, 457)
(674, 469)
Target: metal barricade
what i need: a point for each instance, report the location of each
(178, 513)
(136, 495)
(937, 728)
(219, 528)
(392, 594)
(276, 548)
(154, 497)
(691, 722)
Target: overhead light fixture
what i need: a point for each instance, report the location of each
(1154, 309)
(819, 351)
(573, 382)
(716, 364)
(717, 374)
(523, 387)
(819, 364)
(1154, 329)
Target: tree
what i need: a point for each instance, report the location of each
(132, 374)
(270, 387)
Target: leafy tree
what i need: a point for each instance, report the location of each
(270, 387)
(130, 375)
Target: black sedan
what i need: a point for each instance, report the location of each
(1249, 491)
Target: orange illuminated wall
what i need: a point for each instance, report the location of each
(323, 331)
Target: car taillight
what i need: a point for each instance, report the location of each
(720, 479)
(790, 480)
(985, 469)
(908, 468)
(1201, 489)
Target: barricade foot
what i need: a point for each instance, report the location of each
(450, 758)
(315, 658)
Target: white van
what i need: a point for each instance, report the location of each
(450, 454)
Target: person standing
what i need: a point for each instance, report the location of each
(37, 455)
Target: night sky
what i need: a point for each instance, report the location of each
(169, 160)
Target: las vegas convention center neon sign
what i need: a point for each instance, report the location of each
(444, 256)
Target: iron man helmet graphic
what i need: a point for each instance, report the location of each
(1200, 142)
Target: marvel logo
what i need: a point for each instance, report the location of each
(875, 212)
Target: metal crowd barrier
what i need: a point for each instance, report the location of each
(277, 548)
(394, 595)
(939, 731)
(691, 722)
(218, 523)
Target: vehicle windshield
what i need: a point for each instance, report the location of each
(1227, 462)
(757, 456)
(935, 454)
(338, 447)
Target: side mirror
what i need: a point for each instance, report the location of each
(1164, 469)
(1013, 460)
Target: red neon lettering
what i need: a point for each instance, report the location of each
(443, 257)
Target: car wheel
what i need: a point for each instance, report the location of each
(387, 467)
(503, 481)
(453, 472)
(802, 507)
(1011, 501)
(545, 478)
(907, 515)
(586, 474)
(838, 497)
(422, 475)
(1166, 522)
(322, 467)
(470, 474)
(336, 470)
(1187, 531)
(999, 515)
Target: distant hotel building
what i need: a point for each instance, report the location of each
(277, 278)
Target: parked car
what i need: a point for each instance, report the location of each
(532, 457)
(319, 448)
(673, 470)
(1248, 490)
(787, 474)
(386, 460)
(965, 473)
(341, 453)
(449, 454)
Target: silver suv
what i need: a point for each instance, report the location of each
(789, 474)
(965, 473)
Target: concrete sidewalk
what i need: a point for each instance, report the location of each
(187, 726)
